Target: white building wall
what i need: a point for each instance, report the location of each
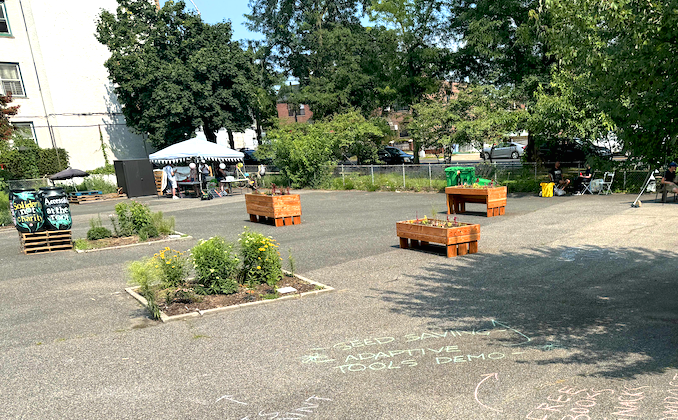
(68, 94)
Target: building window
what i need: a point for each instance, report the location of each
(25, 130)
(4, 24)
(10, 80)
(291, 111)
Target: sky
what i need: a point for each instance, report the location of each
(213, 11)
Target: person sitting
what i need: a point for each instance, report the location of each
(669, 178)
(582, 179)
(556, 175)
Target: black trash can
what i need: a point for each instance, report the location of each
(27, 210)
(56, 207)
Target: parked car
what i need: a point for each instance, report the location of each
(572, 150)
(505, 150)
(251, 159)
(394, 156)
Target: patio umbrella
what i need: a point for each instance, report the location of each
(69, 173)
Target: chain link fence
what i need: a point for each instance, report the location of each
(520, 177)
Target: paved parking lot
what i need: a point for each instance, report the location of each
(568, 311)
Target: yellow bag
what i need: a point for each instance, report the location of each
(547, 189)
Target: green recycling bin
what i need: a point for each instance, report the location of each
(460, 175)
(483, 182)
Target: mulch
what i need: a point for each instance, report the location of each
(244, 295)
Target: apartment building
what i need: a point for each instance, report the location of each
(53, 66)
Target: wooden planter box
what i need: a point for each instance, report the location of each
(494, 197)
(282, 209)
(459, 240)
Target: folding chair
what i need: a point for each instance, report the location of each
(608, 177)
(586, 186)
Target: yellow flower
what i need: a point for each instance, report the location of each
(258, 267)
(262, 249)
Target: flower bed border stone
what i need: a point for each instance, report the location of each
(200, 313)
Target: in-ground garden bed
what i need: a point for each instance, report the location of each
(133, 223)
(216, 274)
(243, 295)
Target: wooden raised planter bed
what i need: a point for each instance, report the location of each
(494, 197)
(460, 239)
(284, 210)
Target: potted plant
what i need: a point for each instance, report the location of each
(458, 238)
(277, 204)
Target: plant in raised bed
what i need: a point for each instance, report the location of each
(277, 205)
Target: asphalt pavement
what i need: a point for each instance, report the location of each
(568, 311)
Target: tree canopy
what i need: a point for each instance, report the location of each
(173, 73)
(626, 55)
(6, 111)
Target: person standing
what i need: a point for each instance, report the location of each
(669, 178)
(170, 174)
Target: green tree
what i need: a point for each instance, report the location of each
(420, 63)
(503, 44)
(6, 111)
(626, 57)
(174, 73)
(306, 153)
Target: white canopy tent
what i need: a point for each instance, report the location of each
(195, 149)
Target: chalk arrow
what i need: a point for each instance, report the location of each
(486, 377)
(495, 323)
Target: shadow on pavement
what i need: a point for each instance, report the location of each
(614, 308)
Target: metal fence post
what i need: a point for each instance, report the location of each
(343, 181)
(430, 183)
(403, 175)
(624, 180)
(535, 170)
(372, 173)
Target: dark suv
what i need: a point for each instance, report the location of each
(251, 159)
(394, 156)
(572, 150)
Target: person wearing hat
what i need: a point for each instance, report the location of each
(670, 177)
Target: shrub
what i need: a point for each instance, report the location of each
(132, 217)
(148, 231)
(96, 183)
(5, 215)
(261, 259)
(173, 266)
(164, 226)
(98, 232)
(215, 265)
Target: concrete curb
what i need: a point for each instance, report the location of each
(199, 313)
(80, 251)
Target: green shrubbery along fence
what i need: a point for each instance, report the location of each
(519, 177)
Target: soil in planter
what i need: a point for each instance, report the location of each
(244, 295)
(123, 240)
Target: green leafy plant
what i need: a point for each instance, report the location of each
(260, 258)
(216, 266)
(173, 266)
(132, 218)
(292, 262)
(5, 215)
(81, 244)
(97, 230)
(164, 226)
(144, 274)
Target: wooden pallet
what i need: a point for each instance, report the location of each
(89, 198)
(46, 241)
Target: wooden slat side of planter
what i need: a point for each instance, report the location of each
(439, 235)
(275, 207)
